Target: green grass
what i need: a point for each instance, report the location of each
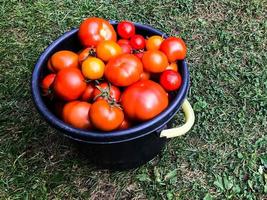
(222, 157)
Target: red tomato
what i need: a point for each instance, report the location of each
(145, 75)
(126, 48)
(106, 91)
(76, 114)
(123, 41)
(126, 29)
(47, 83)
(138, 42)
(144, 100)
(104, 116)
(154, 42)
(64, 59)
(170, 80)
(85, 53)
(123, 70)
(69, 84)
(94, 30)
(174, 48)
(139, 55)
(172, 66)
(125, 124)
(154, 61)
(106, 50)
(88, 92)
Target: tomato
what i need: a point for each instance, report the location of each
(47, 83)
(126, 48)
(145, 75)
(154, 61)
(94, 30)
(93, 68)
(170, 80)
(174, 48)
(64, 59)
(69, 84)
(104, 116)
(49, 66)
(154, 42)
(85, 53)
(172, 66)
(125, 124)
(123, 41)
(123, 70)
(139, 54)
(106, 50)
(88, 92)
(144, 100)
(138, 42)
(104, 90)
(126, 29)
(76, 114)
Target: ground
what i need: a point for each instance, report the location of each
(222, 157)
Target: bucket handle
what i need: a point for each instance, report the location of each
(189, 122)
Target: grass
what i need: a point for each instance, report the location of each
(222, 157)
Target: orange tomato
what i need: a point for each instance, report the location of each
(64, 59)
(154, 42)
(145, 75)
(93, 68)
(154, 61)
(106, 50)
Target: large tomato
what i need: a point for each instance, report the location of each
(123, 70)
(174, 48)
(144, 100)
(76, 114)
(69, 84)
(154, 61)
(63, 59)
(104, 116)
(94, 30)
(106, 50)
(106, 91)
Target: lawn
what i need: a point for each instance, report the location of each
(222, 157)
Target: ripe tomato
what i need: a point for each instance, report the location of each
(138, 42)
(76, 114)
(106, 50)
(123, 41)
(49, 66)
(144, 100)
(125, 124)
(154, 42)
(170, 80)
(126, 29)
(172, 66)
(104, 116)
(126, 48)
(85, 53)
(145, 75)
(69, 84)
(94, 30)
(106, 91)
(174, 48)
(88, 92)
(47, 83)
(123, 70)
(154, 61)
(64, 59)
(139, 54)
(93, 68)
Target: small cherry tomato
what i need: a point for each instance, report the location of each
(170, 80)
(125, 124)
(108, 49)
(126, 48)
(154, 61)
(123, 41)
(138, 42)
(88, 92)
(145, 75)
(154, 42)
(64, 59)
(93, 68)
(106, 91)
(104, 116)
(76, 114)
(174, 48)
(126, 29)
(47, 83)
(85, 53)
(172, 66)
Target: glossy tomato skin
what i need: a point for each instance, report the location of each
(145, 75)
(172, 66)
(106, 92)
(69, 84)
(126, 48)
(154, 61)
(126, 29)
(154, 42)
(123, 70)
(88, 92)
(85, 53)
(123, 41)
(174, 48)
(47, 83)
(64, 59)
(93, 68)
(76, 114)
(138, 42)
(106, 50)
(104, 116)
(144, 100)
(170, 80)
(94, 30)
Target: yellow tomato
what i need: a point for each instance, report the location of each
(108, 49)
(93, 68)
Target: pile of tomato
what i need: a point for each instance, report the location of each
(119, 79)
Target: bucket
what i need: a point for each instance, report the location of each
(123, 149)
